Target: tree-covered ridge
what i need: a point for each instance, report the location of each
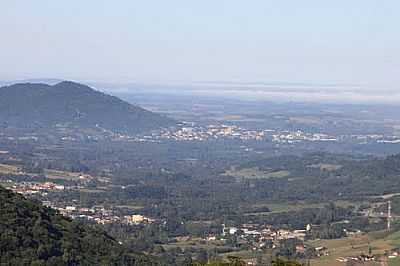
(28, 105)
(31, 234)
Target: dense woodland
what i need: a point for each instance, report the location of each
(72, 104)
(35, 235)
(195, 198)
(31, 234)
(190, 188)
(167, 188)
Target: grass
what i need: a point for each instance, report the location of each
(306, 119)
(85, 190)
(255, 172)
(295, 206)
(394, 262)
(299, 205)
(132, 207)
(243, 254)
(56, 174)
(9, 169)
(380, 242)
(326, 166)
(195, 243)
(356, 245)
(51, 174)
(394, 239)
(6, 184)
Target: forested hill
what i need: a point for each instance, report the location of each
(69, 103)
(31, 234)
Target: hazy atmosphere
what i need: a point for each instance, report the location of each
(200, 133)
(344, 45)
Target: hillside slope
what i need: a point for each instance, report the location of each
(31, 234)
(68, 103)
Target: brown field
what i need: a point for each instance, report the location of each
(9, 169)
(357, 245)
(55, 174)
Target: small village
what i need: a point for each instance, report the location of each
(251, 237)
(193, 132)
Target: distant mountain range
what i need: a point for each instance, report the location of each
(31, 105)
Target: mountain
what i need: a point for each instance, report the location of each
(31, 234)
(32, 105)
(50, 81)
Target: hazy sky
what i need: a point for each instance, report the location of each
(340, 41)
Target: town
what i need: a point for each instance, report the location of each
(251, 238)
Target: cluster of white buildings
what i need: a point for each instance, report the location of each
(96, 214)
(299, 136)
(192, 132)
(100, 215)
(30, 188)
(138, 219)
(199, 133)
(265, 232)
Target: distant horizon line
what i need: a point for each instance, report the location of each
(185, 82)
(282, 91)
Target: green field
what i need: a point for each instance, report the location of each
(394, 262)
(394, 239)
(55, 174)
(326, 166)
(255, 172)
(6, 184)
(195, 243)
(380, 242)
(299, 205)
(84, 190)
(132, 207)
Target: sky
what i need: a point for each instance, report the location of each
(354, 43)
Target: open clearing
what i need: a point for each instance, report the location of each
(9, 169)
(326, 166)
(255, 172)
(299, 205)
(357, 245)
(55, 174)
